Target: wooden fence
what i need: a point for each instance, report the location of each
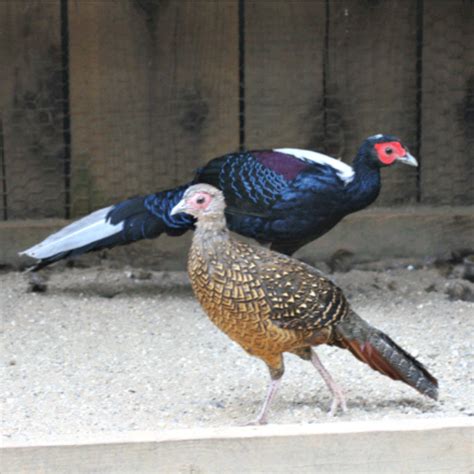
(104, 99)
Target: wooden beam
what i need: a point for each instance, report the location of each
(382, 233)
(388, 446)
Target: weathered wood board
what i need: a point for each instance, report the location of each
(447, 168)
(31, 106)
(284, 51)
(388, 446)
(110, 50)
(3, 178)
(196, 86)
(371, 83)
(373, 234)
(154, 92)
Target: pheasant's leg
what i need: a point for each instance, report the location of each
(277, 370)
(338, 396)
(262, 418)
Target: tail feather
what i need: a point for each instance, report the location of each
(138, 218)
(382, 354)
(91, 227)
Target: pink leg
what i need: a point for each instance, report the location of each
(338, 396)
(271, 392)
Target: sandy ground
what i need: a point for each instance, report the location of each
(114, 350)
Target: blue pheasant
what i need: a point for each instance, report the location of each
(286, 197)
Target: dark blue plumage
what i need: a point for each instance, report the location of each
(285, 197)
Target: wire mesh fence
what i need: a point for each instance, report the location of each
(101, 100)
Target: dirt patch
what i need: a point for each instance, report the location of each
(118, 350)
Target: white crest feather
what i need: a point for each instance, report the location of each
(344, 171)
(89, 229)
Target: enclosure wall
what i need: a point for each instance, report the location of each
(103, 100)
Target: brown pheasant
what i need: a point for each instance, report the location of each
(270, 304)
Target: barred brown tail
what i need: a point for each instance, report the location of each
(378, 350)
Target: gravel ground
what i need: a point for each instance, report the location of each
(105, 349)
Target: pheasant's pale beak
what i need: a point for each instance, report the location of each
(408, 159)
(180, 207)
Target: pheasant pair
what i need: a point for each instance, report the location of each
(271, 304)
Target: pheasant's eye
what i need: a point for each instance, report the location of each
(200, 200)
(388, 150)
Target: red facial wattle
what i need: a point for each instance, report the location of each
(388, 152)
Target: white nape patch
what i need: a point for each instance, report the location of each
(376, 137)
(344, 171)
(89, 229)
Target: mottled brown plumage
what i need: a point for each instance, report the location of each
(266, 302)
(270, 304)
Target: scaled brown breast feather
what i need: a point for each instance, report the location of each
(265, 301)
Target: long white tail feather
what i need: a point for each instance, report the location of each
(344, 171)
(89, 229)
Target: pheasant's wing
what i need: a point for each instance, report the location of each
(299, 297)
(287, 198)
(250, 187)
(256, 180)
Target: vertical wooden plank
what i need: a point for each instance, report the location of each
(154, 93)
(110, 51)
(31, 104)
(448, 103)
(371, 83)
(3, 178)
(196, 85)
(284, 50)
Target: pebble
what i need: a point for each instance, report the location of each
(459, 290)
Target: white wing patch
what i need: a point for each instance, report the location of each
(84, 231)
(344, 171)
